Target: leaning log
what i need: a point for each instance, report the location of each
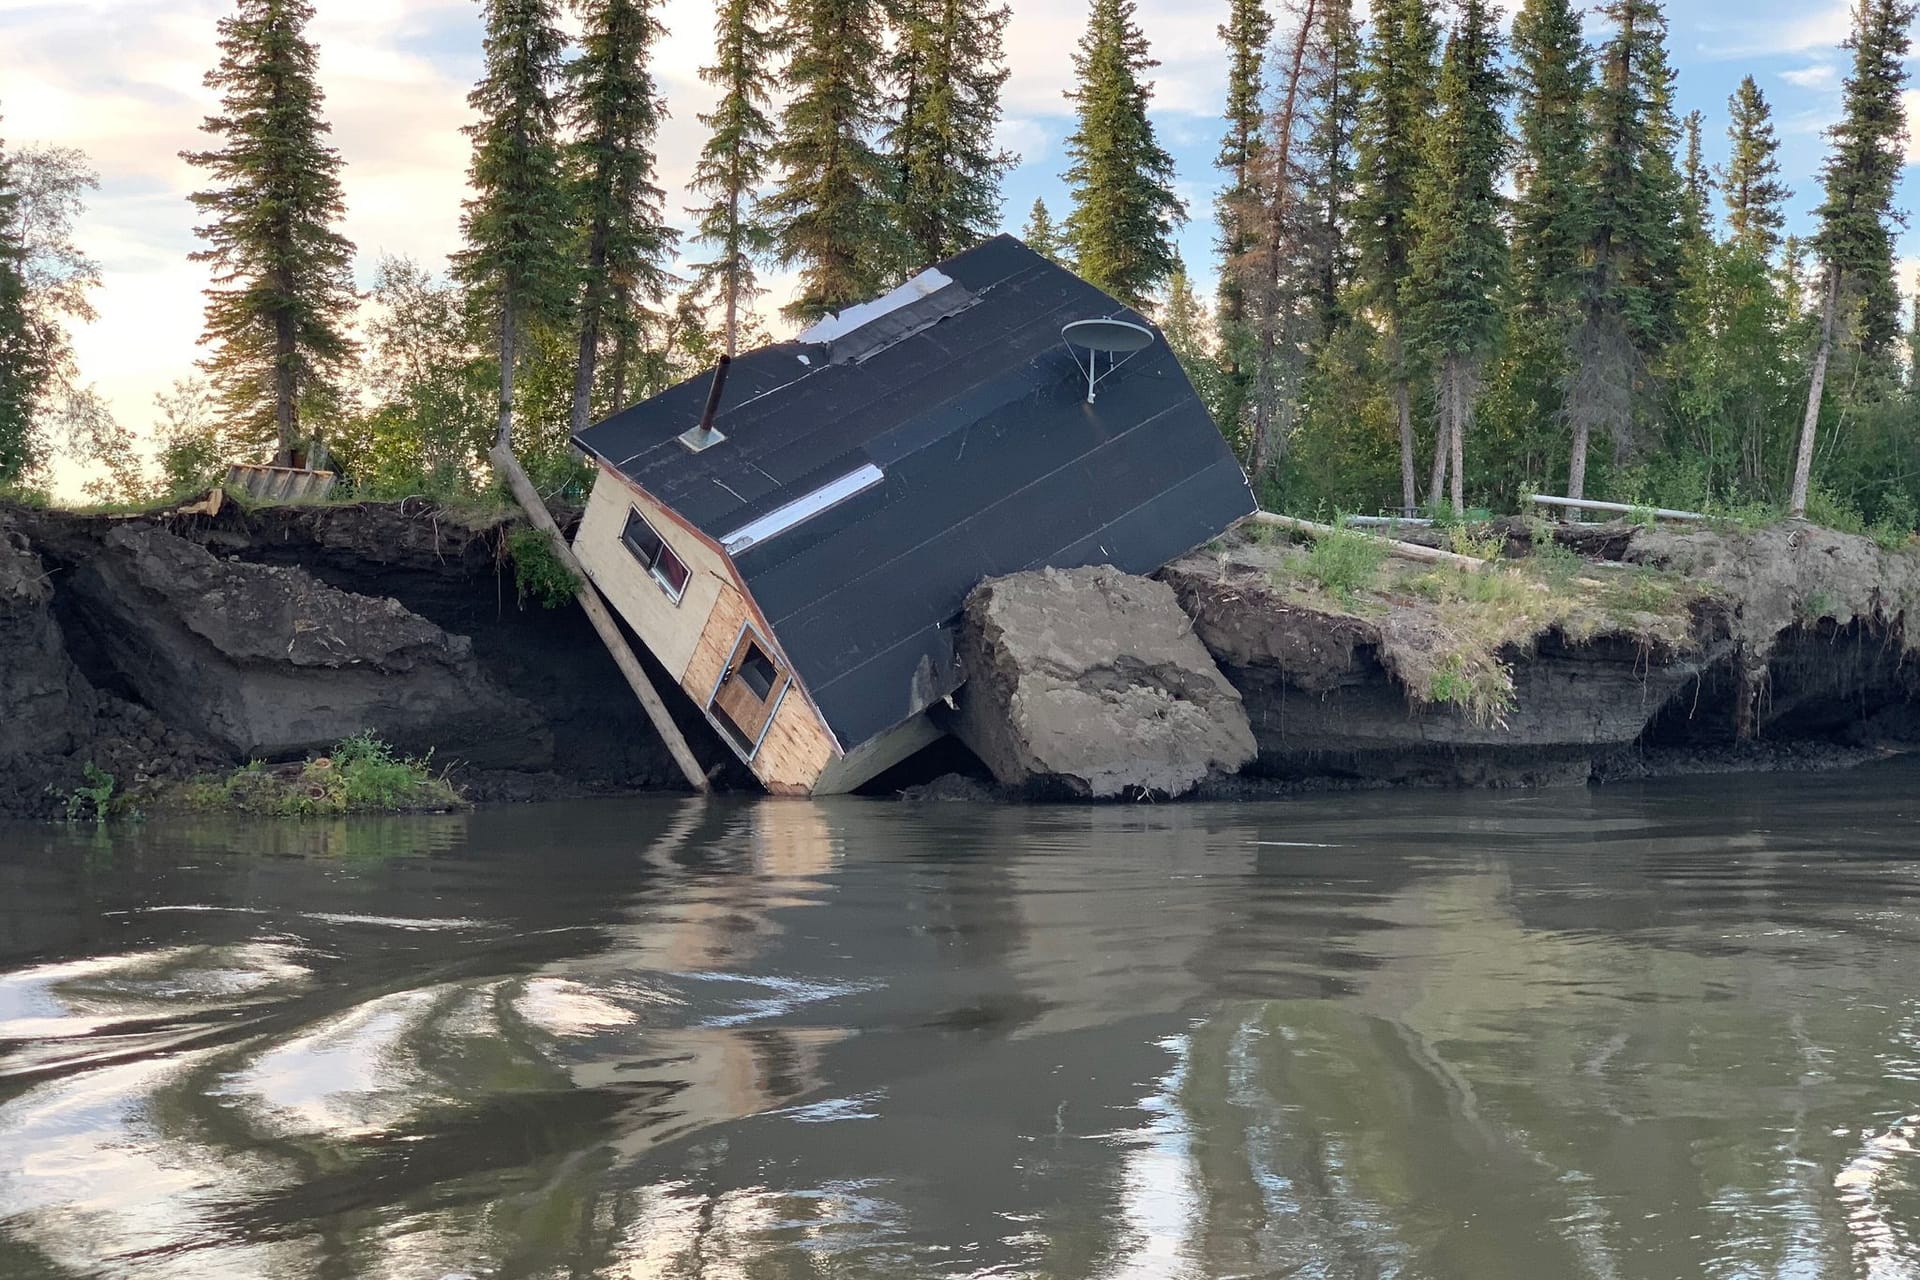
(510, 470)
(1404, 550)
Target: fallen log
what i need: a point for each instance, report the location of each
(535, 506)
(1404, 550)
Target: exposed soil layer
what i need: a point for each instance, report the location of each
(161, 648)
(164, 648)
(1785, 648)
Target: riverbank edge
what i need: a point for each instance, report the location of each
(1773, 608)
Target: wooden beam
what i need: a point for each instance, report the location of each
(1617, 508)
(1404, 550)
(508, 466)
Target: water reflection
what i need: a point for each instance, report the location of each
(1644, 1033)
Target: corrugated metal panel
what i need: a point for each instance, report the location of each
(280, 484)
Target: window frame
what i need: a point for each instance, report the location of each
(663, 553)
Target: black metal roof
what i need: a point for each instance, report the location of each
(994, 462)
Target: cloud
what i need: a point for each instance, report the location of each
(1818, 75)
(1798, 32)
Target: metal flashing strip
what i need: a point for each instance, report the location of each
(802, 509)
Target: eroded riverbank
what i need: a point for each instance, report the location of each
(160, 649)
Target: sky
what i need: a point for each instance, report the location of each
(121, 80)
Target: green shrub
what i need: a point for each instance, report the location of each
(92, 801)
(362, 775)
(538, 573)
(1345, 561)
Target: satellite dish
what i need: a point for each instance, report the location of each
(1115, 338)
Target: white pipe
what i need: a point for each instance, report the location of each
(1622, 508)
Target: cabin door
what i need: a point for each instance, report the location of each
(748, 693)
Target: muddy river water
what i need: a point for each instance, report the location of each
(1665, 1030)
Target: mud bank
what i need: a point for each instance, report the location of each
(161, 649)
(166, 648)
(1783, 649)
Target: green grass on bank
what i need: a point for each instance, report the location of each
(361, 775)
(1444, 630)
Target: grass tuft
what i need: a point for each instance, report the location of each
(361, 775)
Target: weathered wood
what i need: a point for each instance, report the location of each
(1404, 550)
(508, 466)
(1388, 522)
(1617, 508)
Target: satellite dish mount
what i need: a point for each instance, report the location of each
(1113, 338)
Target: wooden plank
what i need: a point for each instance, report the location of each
(1404, 550)
(531, 502)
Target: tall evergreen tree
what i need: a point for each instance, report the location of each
(1459, 256)
(282, 294)
(1553, 77)
(949, 66)
(1328, 152)
(1124, 209)
(20, 362)
(615, 113)
(1696, 201)
(1245, 33)
(1750, 180)
(516, 261)
(1397, 100)
(1042, 233)
(1633, 255)
(1855, 241)
(735, 160)
(831, 204)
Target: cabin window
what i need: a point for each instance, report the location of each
(651, 550)
(748, 693)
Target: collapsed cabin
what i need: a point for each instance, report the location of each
(793, 536)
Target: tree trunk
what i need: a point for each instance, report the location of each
(1403, 410)
(622, 351)
(1577, 464)
(508, 338)
(734, 272)
(1457, 437)
(583, 368)
(1823, 354)
(286, 413)
(1443, 432)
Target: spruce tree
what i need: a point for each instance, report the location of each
(615, 112)
(1042, 233)
(1333, 105)
(1458, 260)
(1750, 180)
(949, 66)
(1633, 256)
(516, 260)
(833, 219)
(1245, 33)
(1552, 76)
(20, 362)
(735, 160)
(1124, 210)
(1855, 240)
(1398, 86)
(1696, 201)
(282, 294)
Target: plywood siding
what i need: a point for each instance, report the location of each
(670, 630)
(796, 747)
